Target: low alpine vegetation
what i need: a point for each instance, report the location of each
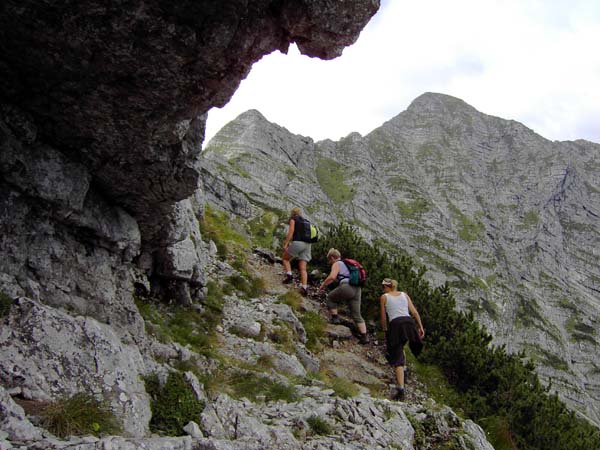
(5, 304)
(319, 425)
(173, 404)
(79, 415)
(493, 386)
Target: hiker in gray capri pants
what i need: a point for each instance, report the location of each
(344, 293)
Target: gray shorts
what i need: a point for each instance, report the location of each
(300, 250)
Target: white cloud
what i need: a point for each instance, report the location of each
(531, 61)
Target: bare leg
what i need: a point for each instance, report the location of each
(362, 327)
(399, 375)
(286, 261)
(303, 272)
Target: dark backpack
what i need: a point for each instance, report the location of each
(358, 274)
(309, 232)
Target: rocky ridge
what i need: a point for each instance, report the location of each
(506, 217)
(247, 343)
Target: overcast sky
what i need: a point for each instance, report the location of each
(537, 62)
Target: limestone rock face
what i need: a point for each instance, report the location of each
(47, 354)
(102, 117)
(103, 108)
(509, 219)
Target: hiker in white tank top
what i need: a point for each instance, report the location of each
(398, 316)
(396, 305)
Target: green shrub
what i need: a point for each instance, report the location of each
(173, 404)
(5, 304)
(184, 325)
(487, 380)
(81, 414)
(319, 426)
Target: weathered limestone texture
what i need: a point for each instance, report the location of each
(117, 93)
(47, 354)
(102, 115)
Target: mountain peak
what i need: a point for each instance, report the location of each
(435, 103)
(251, 114)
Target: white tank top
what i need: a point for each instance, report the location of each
(396, 306)
(344, 274)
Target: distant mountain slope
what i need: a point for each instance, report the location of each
(508, 218)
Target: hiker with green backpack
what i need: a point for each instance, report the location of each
(351, 276)
(300, 235)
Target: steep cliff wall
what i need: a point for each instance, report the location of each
(102, 119)
(102, 114)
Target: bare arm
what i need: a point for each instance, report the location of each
(290, 233)
(382, 316)
(335, 269)
(415, 314)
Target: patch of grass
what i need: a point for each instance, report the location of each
(414, 209)
(217, 227)
(330, 175)
(319, 426)
(264, 227)
(81, 414)
(344, 388)
(173, 404)
(583, 337)
(468, 229)
(530, 220)
(483, 304)
(251, 287)
(528, 312)
(314, 325)
(5, 304)
(546, 358)
(436, 384)
(283, 336)
(569, 305)
(497, 430)
(291, 298)
(184, 325)
(250, 385)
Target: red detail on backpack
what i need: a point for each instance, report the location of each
(358, 274)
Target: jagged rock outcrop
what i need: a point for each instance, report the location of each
(506, 217)
(110, 99)
(102, 115)
(48, 354)
(311, 416)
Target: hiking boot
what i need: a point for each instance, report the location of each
(335, 320)
(363, 339)
(400, 394)
(303, 291)
(288, 279)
